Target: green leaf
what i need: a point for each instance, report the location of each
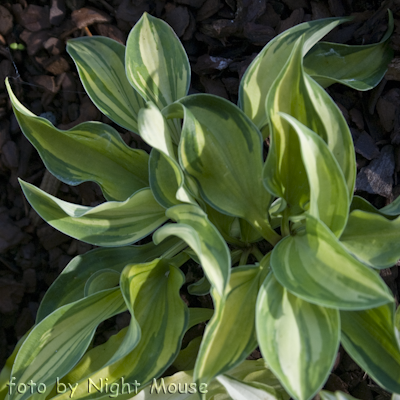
(162, 317)
(200, 288)
(187, 357)
(316, 267)
(256, 83)
(108, 224)
(285, 174)
(391, 211)
(196, 230)
(233, 322)
(369, 338)
(325, 179)
(101, 66)
(156, 62)
(222, 150)
(198, 315)
(56, 344)
(69, 285)
(372, 238)
(359, 67)
(91, 151)
(298, 340)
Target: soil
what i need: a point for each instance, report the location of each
(221, 38)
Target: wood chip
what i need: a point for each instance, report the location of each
(87, 16)
(57, 12)
(6, 21)
(35, 18)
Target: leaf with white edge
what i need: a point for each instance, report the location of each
(222, 150)
(197, 231)
(369, 338)
(162, 317)
(325, 178)
(338, 395)
(101, 66)
(239, 390)
(109, 224)
(233, 322)
(56, 344)
(316, 267)
(256, 84)
(391, 211)
(91, 151)
(101, 280)
(359, 67)
(298, 340)
(294, 93)
(69, 285)
(156, 62)
(372, 238)
(166, 176)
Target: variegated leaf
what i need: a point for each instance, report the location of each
(316, 267)
(298, 340)
(196, 230)
(222, 150)
(162, 317)
(338, 395)
(233, 321)
(239, 390)
(57, 343)
(91, 151)
(391, 211)
(325, 178)
(166, 176)
(102, 279)
(296, 94)
(369, 338)
(69, 285)
(256, 83)
(372, 238)
(156, 62)
(359, 67)
(101, 66)
(108, 224)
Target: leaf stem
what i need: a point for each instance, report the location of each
(257, 253)
(175, 249)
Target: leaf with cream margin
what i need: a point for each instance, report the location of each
(233, 322)
(197, 231)
(101, 66)
(69, 285)
(337, 395)
(91, 151)
(109, 224)
(296, 94)
(166, 176)
(221, 149)
(162, 317)
(369, 337)
(298, 340)
(359, 67)
(372, 238)
(157, 65)
(316, 267)
(256, 84)
(56, 344)
(325, 178)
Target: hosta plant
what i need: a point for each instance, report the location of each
(290, 257)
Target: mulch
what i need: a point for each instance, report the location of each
(221, 38)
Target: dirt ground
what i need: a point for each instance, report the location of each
(221, 38)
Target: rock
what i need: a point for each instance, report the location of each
(35, 18)
(57, 12)
(178, 17)
(366, 146)
(377, 177)
(6, 21)
(34, 40)
(11, 294)
(54, 46)
(87, 16)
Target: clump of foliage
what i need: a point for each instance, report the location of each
(206, 193)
